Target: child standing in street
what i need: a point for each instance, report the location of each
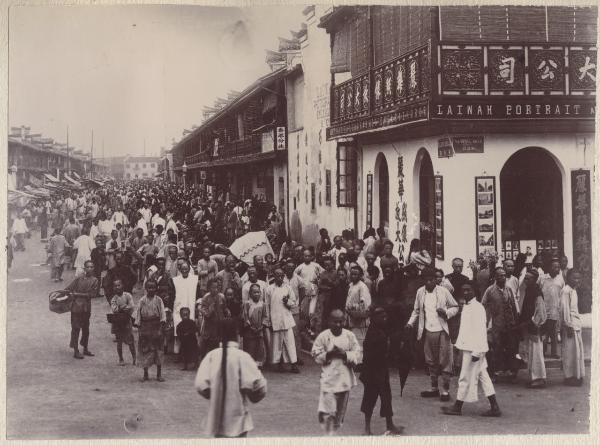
(122, 303)
(255, 321)
(186, 333)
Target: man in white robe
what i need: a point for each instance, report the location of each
(280, 299)
(472, 341)
(186, 286)
(573, 362)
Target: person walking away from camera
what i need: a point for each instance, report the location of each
(229, 378)
(280, 300)
(375, 374)
(56, 251)
(186, 333)
(122, 303)
(82, 290)
(337, 351)
(256, 320)
(531, 321)
(150, 319)
(472, 341)
(434, 305)
(501, 312)
(551, 285)
(573, 363)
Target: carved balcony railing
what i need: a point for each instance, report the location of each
(384, 88)
(249, 145)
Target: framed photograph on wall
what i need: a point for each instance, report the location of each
(485, 214)
(439, 216)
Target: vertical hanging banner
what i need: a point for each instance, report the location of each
(281, 142)
(369, 200)
(582, 235)
(439, 217)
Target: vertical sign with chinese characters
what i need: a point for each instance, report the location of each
(369, 200)
(582, 235)
(439, 217)
(401, 216)
(281, 143)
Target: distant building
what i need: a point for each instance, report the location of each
(141, 167)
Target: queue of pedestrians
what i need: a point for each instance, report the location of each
(350, 301)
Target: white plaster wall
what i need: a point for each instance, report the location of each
(459, 172)
(304, 145)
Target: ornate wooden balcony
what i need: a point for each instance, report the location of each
(387, 94)
(247, 146)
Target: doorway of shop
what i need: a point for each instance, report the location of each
(531, 205)
(382, 191)
(426, 202)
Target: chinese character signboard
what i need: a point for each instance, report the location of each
(546, 70)
(281, 142)
(462, 70)
(582, 70)
(369, 200)
(439, 217)
(506, 69)
(485, 214)
(582, 235)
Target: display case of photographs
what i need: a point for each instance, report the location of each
(485, 213)
(510, 250)
(439, 217)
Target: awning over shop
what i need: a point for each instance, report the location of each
(76, 176)
(71, 180)
(51, 178)
(37, 191)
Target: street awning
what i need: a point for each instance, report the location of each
(51, 178)
(76, 176)
(71, 180)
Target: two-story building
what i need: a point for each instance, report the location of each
(240, 150)
(470, 128)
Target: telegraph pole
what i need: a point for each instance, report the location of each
(92, 158)
(68, 153)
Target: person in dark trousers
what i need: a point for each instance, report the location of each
(186, 332)
(82, 290)
(375, 375)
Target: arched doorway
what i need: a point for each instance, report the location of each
(382, 192)
(426, 202)
(531, 203)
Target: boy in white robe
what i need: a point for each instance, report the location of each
(472, 341)
(337, 351)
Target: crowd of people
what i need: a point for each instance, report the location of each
(349, 300)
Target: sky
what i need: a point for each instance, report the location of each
(133, 73)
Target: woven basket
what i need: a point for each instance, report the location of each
(60, 301)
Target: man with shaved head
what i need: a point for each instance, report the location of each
(336, 349)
